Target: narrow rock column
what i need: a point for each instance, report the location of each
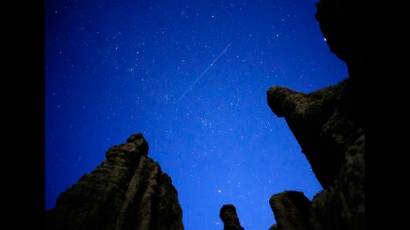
(229, 217)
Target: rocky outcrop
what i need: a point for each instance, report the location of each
(230, 218)
(291, 210)
(344, 27)
(335, 26)
(329, 125)
(323, 123)
(332, 137)
(127, 191)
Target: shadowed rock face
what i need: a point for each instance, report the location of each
(329, 125)
(323, 123)
(229, 217)
(291, 210)
(343, 26)
(127, 191)
(332, 137)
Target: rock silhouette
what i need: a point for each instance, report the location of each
(332, 139)
(230, 218)
(127, 191)
(329, 125)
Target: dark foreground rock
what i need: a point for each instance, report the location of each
(332, 138)
(230, 218)
(291, 210)
(127, 191)
(329, 125)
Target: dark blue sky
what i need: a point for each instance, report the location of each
(192, 77)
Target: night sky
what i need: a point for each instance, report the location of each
(192, 77)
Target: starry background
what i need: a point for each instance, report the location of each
(192, 77)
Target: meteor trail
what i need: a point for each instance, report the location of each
(204, 72)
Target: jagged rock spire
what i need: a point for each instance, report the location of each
(126, 191)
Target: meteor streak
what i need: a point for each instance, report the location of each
(204, 72)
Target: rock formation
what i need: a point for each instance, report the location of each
(332, 138)
(329, 125)
(127, 191)
(291, 209)
(229, 217)
(344, 27)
